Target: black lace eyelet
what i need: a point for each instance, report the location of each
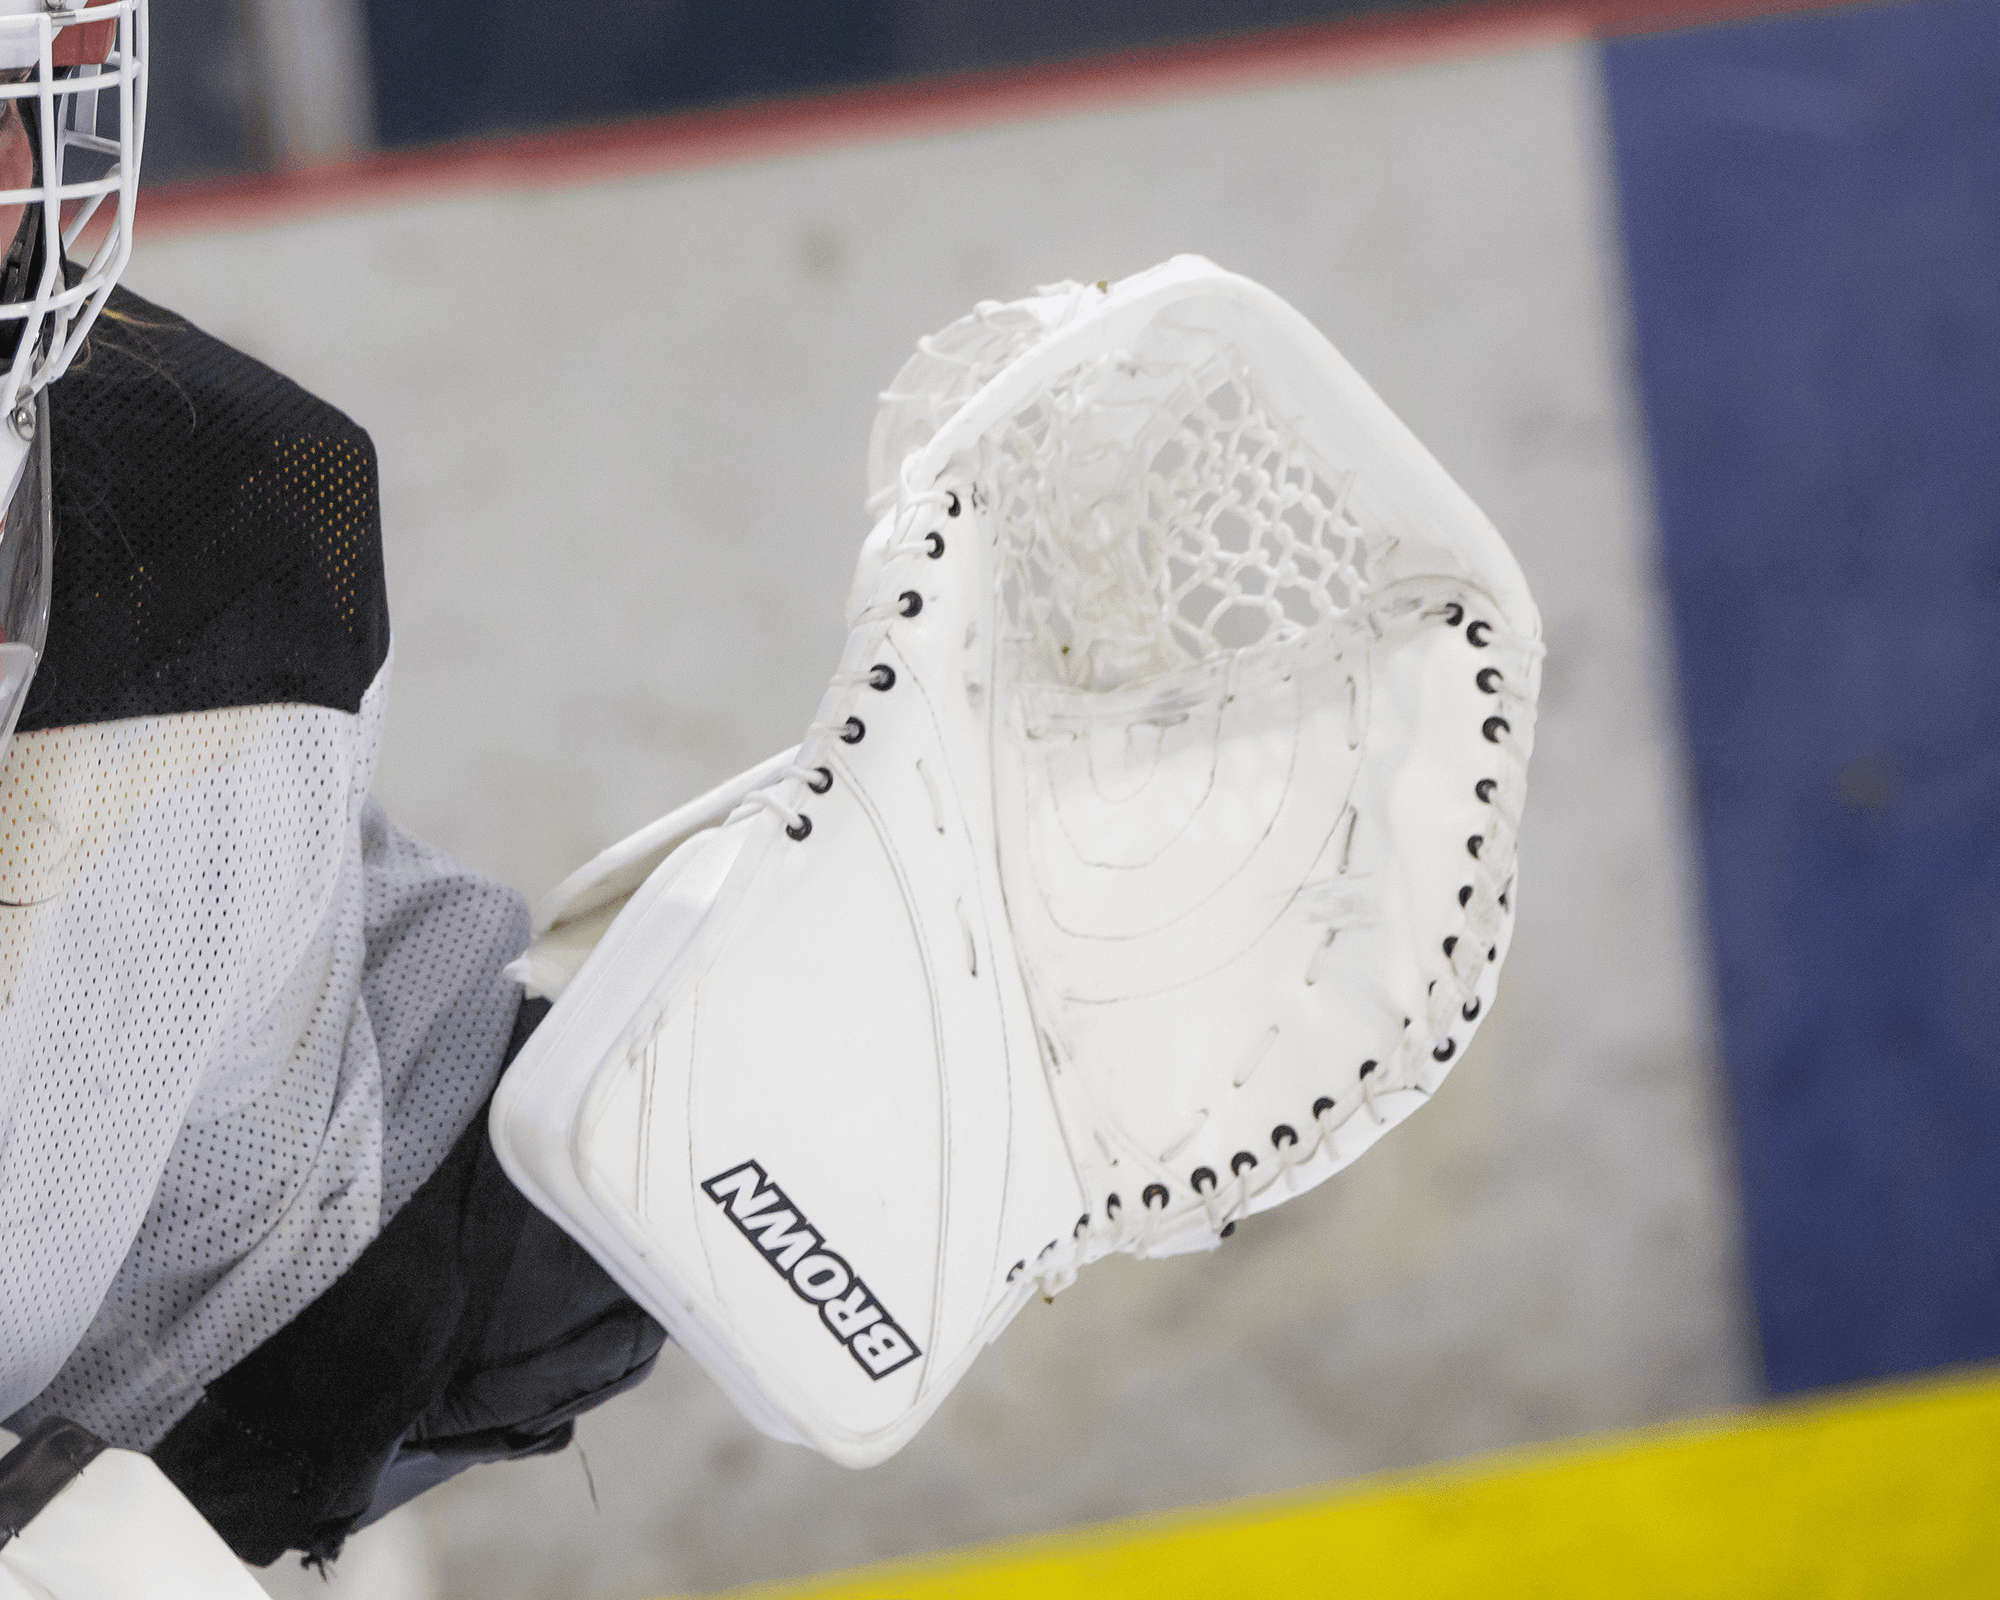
(1474, 636)
(1493, 953)
(1484, 789)
(1153, 1189)
(1465, 894)
(1284, 1133)
(1113, 1205)
(1237, 1162)
(824, 781)
(1322, 1106)
(1227, 1229)
(1450, 944)
(1016, 1270)
(936, 542)
(1489, 680)
(1199, 1173)
(912, 602)
(1454, 614)
(951, 507)
(882, 676)
(1082, 1222)
(1369, 1066)
(1472, 845)
(1445, 1051)
(1471, 1010)
(799, 829)
(854, 732)
(1493, 727)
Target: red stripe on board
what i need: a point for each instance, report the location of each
(937, 105)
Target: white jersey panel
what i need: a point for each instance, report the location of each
(242, 1017)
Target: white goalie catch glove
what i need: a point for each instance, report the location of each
(1151, 855)
(80, 1521)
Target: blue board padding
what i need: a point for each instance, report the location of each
(1811, 212)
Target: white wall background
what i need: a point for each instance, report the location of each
(621, 430)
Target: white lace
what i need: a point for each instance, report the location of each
(913, 529)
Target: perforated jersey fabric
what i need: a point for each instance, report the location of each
(218, 534)
(242, 1017)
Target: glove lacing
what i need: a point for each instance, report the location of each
(878, 617)
(1504, 669)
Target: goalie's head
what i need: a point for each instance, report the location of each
(72, 120)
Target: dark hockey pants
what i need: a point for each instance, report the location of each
(471, 1330)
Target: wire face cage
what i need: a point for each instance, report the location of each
(72, 123)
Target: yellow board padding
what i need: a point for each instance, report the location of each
(1892, 1491)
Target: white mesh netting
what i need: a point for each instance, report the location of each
(948, 369)
(1156, 515)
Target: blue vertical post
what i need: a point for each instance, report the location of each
(1811, 216)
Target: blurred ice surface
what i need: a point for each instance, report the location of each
(391, 1561)
(622, 430)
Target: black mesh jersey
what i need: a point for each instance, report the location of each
(218, 534)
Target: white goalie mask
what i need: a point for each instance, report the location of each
(1152, 854)
(73, 94)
